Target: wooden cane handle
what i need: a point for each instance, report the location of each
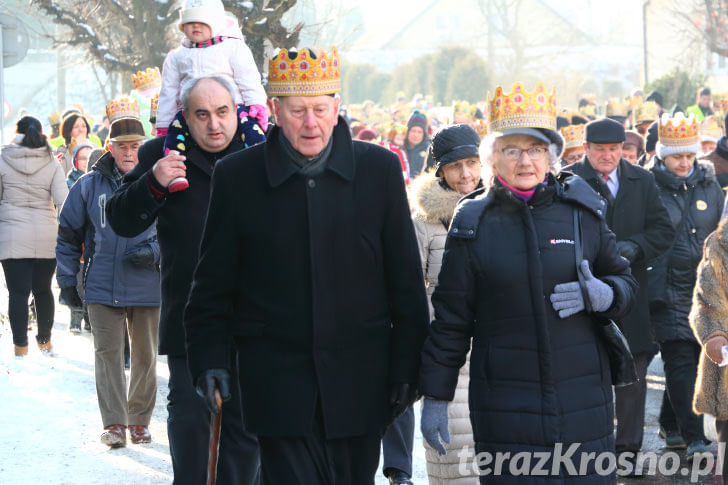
(218, 400)
(215, 424)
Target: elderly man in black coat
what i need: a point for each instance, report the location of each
(642, 225)
(309, 264)
(144, 198)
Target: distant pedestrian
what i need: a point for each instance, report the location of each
(32, 190)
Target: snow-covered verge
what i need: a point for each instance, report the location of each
(50, 422)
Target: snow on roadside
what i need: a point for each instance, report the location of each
(50, 422)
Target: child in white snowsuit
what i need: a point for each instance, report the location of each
(213, 46)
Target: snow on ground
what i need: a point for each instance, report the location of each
(50, 423)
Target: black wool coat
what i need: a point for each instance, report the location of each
(535, 379)
(701, 195)
(180, 218)
(638, 215)
(319, 282)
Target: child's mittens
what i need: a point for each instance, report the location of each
(260, 113)
(161, 132)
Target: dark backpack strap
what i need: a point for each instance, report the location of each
(579, 255)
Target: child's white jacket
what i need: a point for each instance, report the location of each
(231, 58)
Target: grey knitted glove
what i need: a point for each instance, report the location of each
(567, 298)
(433, 423)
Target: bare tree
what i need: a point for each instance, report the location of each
(706, 21)
(127, 35)
(520, 43)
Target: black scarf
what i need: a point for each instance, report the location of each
(309, 167)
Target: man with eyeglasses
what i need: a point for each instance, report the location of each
(643, 228)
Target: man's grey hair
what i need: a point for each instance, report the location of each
(487, 147)
(184, 95)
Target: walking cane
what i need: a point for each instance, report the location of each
(215, 422)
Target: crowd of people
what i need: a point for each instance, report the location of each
(325, 267)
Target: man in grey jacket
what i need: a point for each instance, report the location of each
(121, 278)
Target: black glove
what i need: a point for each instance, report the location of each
(208, 381)
(69, 297)
(402, 397)
(629, 250)
(141, 255)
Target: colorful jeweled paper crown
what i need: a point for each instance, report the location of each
(574, 136)
(307, 72)
(122, 107)
(522, 109)
(710, 128)
(645, 112)
(147, 79)
(464, 110)
(54, 118)
(678, 131)
(153, 104)
(481, 127)
(617, 107)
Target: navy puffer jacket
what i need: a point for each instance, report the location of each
(535, 379)
(108, 279)
(672, 276)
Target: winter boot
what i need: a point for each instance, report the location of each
(696, 451)
(21, 352)
(46, 347)
(75, 326)
(672, 438)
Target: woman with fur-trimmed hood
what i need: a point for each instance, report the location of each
(433, 197)
(709, 321)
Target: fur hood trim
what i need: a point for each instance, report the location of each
(432, 202)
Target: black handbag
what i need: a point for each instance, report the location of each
(621, 361)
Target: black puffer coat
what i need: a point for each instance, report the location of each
(535, 379)
(672, 275)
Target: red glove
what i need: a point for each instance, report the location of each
(161, 132)
(260, 113)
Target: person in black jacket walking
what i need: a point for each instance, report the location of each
(309, 263)
(539, 372)
(142, 199)
(416, 143)
(694, 200)
(642, 226)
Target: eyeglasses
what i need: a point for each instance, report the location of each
(513, 153)
(574, 158)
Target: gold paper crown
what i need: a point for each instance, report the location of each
(464, 110)
(678, 131)
(723, 105)
(308, 72)
(522, 109)
(617, 107)
(646, 112)
(710, 129)
(153, 104)
(574, 136)
(481, 127)
(146, 79)
(54, 118)
(123, 107)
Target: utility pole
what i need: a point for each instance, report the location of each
(645, 66)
